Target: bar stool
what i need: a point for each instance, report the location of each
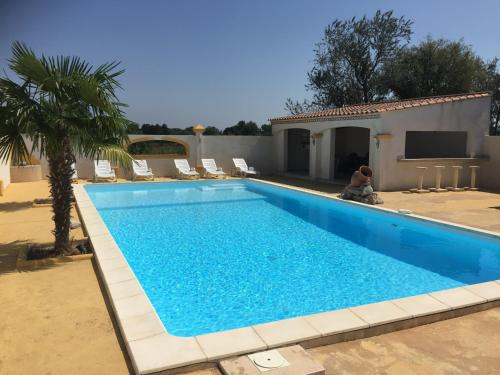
(473, 169)
(420, 186)
(439, 170)
(454, 187)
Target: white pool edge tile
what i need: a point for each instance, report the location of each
(230, 343)
(152, 348)
(146, 338)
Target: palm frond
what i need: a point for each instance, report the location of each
(12, 145)
(25, 63)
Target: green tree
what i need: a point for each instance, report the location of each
(442, 67)
(266, 129)
(438, 67)
(211, 130)
(66, 108)
(350, 59)
(242, 128)
(133, 128)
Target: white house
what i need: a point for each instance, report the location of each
(393, 138)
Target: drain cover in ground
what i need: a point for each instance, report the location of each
(292, 360)
(268, 360)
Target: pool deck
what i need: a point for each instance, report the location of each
(94, 341)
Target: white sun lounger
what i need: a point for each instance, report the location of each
(141, 170)
(211, 169)
(184, 170)
(74, 177)
(103, 171)
(243, 169)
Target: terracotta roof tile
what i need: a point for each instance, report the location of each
(374, 108)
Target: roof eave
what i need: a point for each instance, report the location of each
(324, 119)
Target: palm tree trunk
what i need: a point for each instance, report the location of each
(60, 162)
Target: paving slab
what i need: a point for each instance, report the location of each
(298, 362)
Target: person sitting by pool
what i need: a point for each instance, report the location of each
(360, 188)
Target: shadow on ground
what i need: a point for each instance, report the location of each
(15, 206)
(8, 255)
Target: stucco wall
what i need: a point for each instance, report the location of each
(490, 172)
(471, 116)
(257, 150)
(4, 174)
(322, 149)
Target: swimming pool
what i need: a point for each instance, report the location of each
(218, 255)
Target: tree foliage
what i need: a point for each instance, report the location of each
(241, 128)
(442, 67)
(368, 60)
(438, 67)
(349, 60)
(66, 108)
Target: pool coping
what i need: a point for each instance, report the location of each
(152, 349)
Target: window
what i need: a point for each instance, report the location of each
(435, 144)
(157, 147)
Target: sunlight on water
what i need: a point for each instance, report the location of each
(219, 255)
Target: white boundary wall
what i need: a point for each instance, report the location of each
(489, 174)
(4, 174)
(257, 150)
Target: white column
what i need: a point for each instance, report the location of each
(316, 155)
(456, 171)
(280, 146)
(312, 156)
(473, 169)
(420, 184)
(379, 157)
(439, 174)
(198, 131)
(326, 144)
(331, 156)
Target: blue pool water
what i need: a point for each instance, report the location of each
(219, 255)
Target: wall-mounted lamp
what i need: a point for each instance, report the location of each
(315, 136)
(381, 136)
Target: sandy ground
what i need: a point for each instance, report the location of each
(56, 320)
(53, 320)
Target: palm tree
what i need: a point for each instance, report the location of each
(67, 109)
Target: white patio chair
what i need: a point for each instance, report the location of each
(184, 170)
(103, 171)
(74, 177)
(140, 170)
(211, 169)
(243, 169)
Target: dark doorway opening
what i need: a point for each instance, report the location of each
(352, 150)
(298, 151)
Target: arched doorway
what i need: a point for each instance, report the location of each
(351, 150)
(298, 143)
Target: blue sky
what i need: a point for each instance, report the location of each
(217, 62)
